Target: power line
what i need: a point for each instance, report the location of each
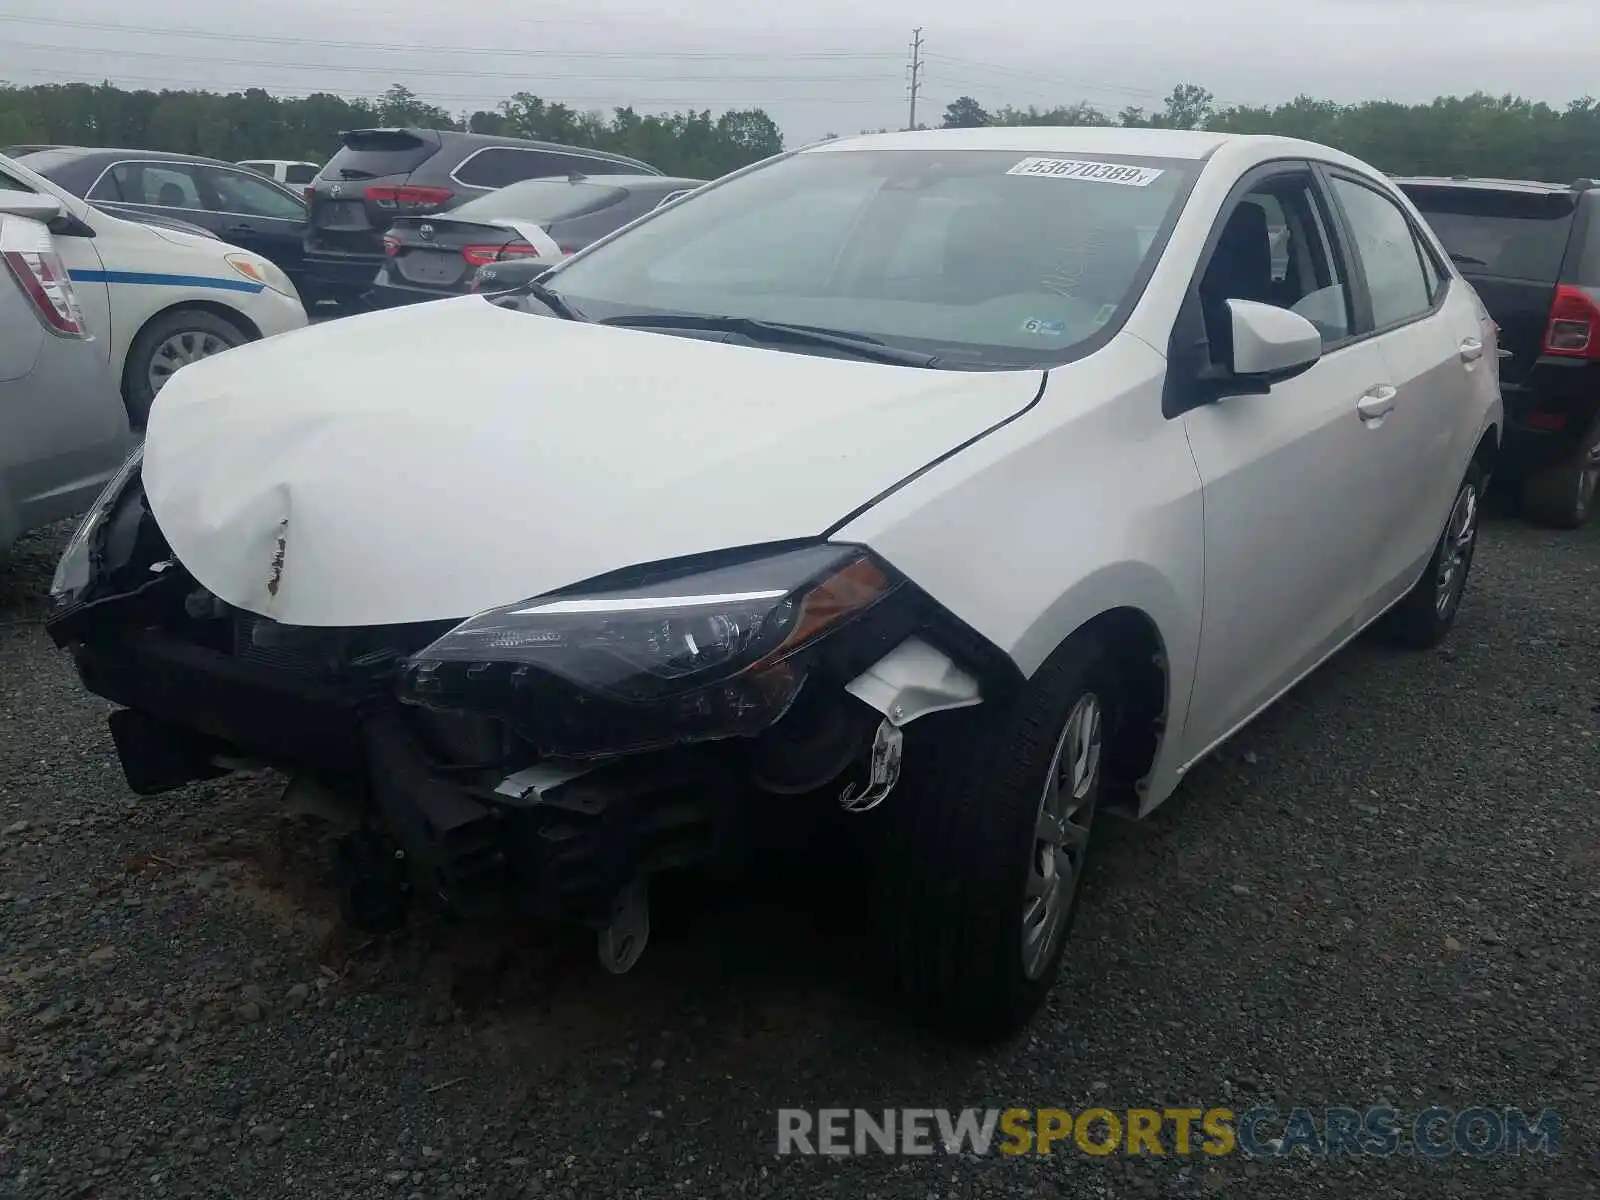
(1061, 81)
(613, 99)
(631, 75)
(433, 51)
(916, 74)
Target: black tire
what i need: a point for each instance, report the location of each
(958, 847)
(1421, 620)
(370, 882)
(137, 392)
(1563, 496)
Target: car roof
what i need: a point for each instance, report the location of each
(1077, 139)
(1196, 144)
(1489, 184)
(62, 154)
(464, 138)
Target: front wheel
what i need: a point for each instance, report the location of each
(985, 845)
(1429, 609)
(166, 345)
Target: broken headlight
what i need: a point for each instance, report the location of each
(673, 656)
(77, 566)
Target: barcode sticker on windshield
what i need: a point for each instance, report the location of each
(1079, 168)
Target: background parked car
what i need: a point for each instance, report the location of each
(237, 205)
(1532, 251)
(63, 430)
(540, 221)
(157, 299)
(381, 174)
(291, 172)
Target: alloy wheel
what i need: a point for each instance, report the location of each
(1061, 835)
(1455, 551)
(180, 350)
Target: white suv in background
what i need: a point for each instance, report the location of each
(287, 171)
(157, 299)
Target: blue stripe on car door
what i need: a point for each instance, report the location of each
(147, 277)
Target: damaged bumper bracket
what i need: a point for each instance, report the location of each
(911, 681)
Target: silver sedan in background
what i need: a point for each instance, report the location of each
(63, 428)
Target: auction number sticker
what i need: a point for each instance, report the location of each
(1079, 168)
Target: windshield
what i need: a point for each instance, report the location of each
(542, 201)
(983, 258)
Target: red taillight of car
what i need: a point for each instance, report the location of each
(409, 199)
(1574, 327)
(31, 256)
(391, 245)
(479, 256)
(309, 190)
(1545, 420)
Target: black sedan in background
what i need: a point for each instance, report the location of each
(534, 223)
(180, 190)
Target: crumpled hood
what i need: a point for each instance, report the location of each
(429, 462)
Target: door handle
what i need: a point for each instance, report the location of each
(1471, 350)
(1379, 402)
(241, 228)
(1504, 354)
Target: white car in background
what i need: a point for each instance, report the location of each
(157, 299)
(288, 171)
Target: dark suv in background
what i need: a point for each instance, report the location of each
(380, 174)
(1532, 251)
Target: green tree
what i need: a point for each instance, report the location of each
(964, 113)
(1189, 106)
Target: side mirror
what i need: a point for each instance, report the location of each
(1271, 344)
(30, 204)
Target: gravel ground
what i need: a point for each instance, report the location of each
(1385, 890)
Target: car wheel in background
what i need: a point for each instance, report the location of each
(168, 343)
(1429, 609)
(1564, 495)
(983, 846)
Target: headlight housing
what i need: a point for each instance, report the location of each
(258, 270)
(683, 655)
(76, 568)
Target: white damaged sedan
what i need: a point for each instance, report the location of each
(962, 483)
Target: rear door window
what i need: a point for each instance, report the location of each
(1508, 235)
(299, 173)
(1389, 254)
(160, 185)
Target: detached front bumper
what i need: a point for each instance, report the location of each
(549, 839)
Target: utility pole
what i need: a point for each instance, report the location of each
(916, 73)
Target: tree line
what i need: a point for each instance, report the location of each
(255, 124)
(1476, 134)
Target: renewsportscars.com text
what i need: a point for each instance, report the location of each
(1259, 1133)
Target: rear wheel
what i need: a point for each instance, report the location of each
(168, 343)
(985, 846)
(1428, 611)
(1564, 495)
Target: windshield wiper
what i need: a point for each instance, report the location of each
(546, 297)
(1466, 260)
(858, 345)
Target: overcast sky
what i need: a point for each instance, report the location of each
(819, 67)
